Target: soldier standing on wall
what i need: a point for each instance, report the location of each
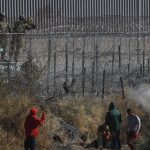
(4, 28)
(19, 29)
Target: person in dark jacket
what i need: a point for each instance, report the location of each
(31, 128)
(113, 120)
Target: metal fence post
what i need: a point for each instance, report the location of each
(9, 72)
(129, 67)
(49, 65)
(96, 65)
(113, 60)
(148, 65)
(83, 68)
(141, 71)
(66, 67)
(143, 55)
(30, 47)
(29, 54)
(93, 73)
(122, 87)
(54, 73)
(83, 74)
(103, 85)
(143, 62)
(138, 56)
(119, 53)
(73, 60)
(112, 70)
(83, 82)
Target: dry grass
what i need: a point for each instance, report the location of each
(85, 114)
(12, 114)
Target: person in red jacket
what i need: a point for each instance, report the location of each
(31, 128)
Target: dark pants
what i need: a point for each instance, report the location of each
(16, 45)
(116, 140)
(30, 144)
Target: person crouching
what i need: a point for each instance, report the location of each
(103, 136)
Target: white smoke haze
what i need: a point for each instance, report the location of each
(141, 95)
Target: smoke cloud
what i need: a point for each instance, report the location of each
(141, 95)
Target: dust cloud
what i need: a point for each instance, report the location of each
(141, 95)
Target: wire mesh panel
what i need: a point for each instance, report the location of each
(47, 62)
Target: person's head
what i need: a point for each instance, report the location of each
(129, 111)
(2, 16)
(30, 20)
(22, 18)
(100, 129)
(106, 127)
(33, 111)
(65, 83)
(111, 106)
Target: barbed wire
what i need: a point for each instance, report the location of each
(68, 57)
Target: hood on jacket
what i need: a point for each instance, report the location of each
(33, 111)
(111, 106)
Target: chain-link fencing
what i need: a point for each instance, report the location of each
(53, 66)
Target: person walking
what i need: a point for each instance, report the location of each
(4, 28)
(134, 126)
(31, 128)
(113, 120)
